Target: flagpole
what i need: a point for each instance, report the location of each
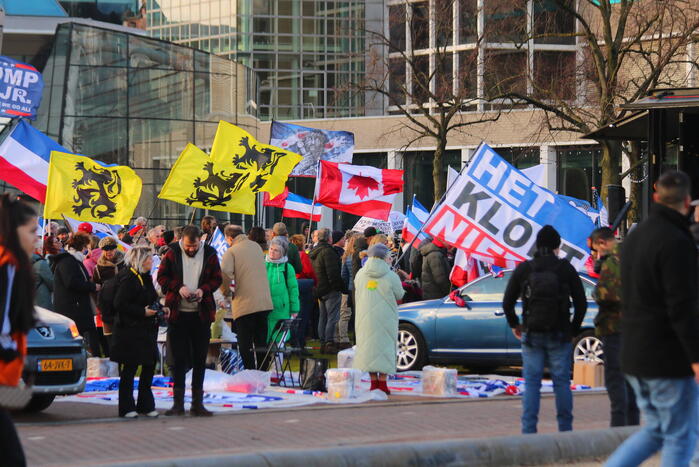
(313, 204)
(191, 220)
(429, 217)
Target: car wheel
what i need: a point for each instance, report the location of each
(39, 402)
(587, 347)
(412, 350)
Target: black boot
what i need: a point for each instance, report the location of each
(177, 404)
(197, 409)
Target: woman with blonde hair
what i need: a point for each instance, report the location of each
(347, 304)
(136, 332)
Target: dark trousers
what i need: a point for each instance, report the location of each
(252, 333)
(11, 452)
(306, 301)
(146, 403)
(622, 400)
(189, 334)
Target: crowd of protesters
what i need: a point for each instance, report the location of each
(344, 287)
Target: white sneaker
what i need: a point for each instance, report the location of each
(152, 414)
(132, 414)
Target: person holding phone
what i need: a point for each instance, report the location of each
(188, 275)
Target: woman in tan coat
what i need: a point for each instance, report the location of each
(245, 281)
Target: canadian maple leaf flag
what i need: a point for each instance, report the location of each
(358, 189)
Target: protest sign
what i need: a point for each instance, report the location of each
(494, 211)
(21, 86)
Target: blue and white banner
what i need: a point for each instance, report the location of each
(494, 212)
(218, 243)
(313, 144)
(21, 86)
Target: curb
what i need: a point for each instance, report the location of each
(547, 449)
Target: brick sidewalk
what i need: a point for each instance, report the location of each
(89, 443)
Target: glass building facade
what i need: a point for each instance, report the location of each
(306, 53)
(129, 99)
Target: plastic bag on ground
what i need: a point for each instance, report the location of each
(247, 381)
(102, 368)
(439, 381)
(345, 358)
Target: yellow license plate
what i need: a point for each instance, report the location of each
(56, 364)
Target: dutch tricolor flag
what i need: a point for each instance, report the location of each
(415, 217)
(24, 159)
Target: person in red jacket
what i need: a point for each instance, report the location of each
(307, 280)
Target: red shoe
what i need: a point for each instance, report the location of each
(384, 387)
(375, 385)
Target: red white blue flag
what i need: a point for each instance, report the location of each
(24, 159)
(302, 208)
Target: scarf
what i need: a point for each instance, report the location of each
(281, 260)
(76, 254)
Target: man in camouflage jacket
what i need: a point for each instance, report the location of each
(607, 294)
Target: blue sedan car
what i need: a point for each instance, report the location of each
(476, 336)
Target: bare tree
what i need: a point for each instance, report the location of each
(414, 73)
(625, 48)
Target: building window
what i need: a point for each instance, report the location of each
(553, 24)
(443, 86)
(554, 75)
(577, 170)
(420, 25)
(520, 157)
(505, 72)
(506, 21)
(468, 74)
(417, 166)
(421, 80)
(396, 27)
(468, 21)
(443, 22)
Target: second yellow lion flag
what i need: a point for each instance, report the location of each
(90, 191)
(268, 167)
(196, 180)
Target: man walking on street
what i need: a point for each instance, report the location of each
(327, 266)
(660, 325)
(624, 411)
(188, 275)
(244, 263)
(546, 285)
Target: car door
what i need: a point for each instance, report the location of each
(479, 331)
(514, 346)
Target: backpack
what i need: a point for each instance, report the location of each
(545, 298)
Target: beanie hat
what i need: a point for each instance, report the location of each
(378, 250)
(337, 236)
(548, 237)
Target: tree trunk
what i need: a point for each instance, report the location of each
(437, 169)
(610, 165)
(636, 188)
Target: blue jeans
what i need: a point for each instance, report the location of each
(552, 350)
(669, 408)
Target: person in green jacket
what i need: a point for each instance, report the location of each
(282, 284)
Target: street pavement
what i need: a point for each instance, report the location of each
(79, 434)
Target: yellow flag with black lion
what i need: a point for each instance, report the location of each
(238, 168)
(87, 190)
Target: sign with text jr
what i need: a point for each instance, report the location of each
(494, 212)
